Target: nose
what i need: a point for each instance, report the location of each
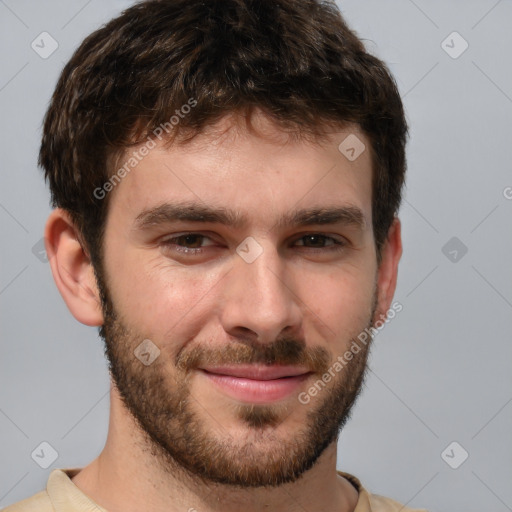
(259, 300)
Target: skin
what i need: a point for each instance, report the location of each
(222, 308)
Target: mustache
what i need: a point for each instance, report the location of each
(285, 351)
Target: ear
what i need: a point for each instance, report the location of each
(388, 269)
(72, 269)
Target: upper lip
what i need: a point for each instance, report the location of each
(258, 372)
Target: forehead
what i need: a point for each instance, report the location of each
(262, 169)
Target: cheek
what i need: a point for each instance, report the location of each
(339, 303)
(158, 300)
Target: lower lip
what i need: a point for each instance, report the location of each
(256, 391)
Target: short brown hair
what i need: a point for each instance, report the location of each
(296, 60)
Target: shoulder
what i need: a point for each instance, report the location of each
(374, 502)
(39, 502)
(383, 504)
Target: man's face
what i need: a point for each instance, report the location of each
(245, 317)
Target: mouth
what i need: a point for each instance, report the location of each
(256, 384)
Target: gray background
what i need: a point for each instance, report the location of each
(440, 369)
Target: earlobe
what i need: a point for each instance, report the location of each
(72, 270)
(388, 269)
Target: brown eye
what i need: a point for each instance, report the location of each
(192, 239)
(319, 241)
(186, 243)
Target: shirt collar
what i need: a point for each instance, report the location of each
(65, 495)
(363, 501)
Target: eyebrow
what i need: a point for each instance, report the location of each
(167, 213)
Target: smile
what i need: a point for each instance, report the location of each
(257, 384)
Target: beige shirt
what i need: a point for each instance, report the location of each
(62, 495)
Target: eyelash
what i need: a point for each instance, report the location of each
(170, 243)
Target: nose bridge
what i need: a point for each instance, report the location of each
(259, 295)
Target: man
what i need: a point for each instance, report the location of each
(226, 177)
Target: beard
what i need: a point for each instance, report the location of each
(178, 430)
